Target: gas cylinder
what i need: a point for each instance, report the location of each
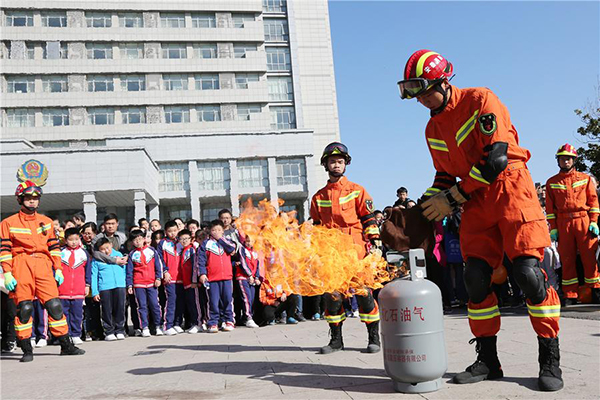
(412, 329)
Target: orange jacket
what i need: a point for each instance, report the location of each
(269, 294)
(568, 193)
(346, 206)
(456, 139)
(23, 233)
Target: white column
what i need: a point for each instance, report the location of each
(234, 193)
(154, 211)
(273, 192)
(311, 185)
(90, 207)
(194, 192)
(139, 202)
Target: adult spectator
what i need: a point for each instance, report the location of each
(115, 237)
(79, 219)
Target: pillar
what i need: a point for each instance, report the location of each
(154, 212)
(273, 190)
(139, 202)
(90, 207)
(234, 193)
(311, 184)
(194, 191)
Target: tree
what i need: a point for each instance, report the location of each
(589, 156)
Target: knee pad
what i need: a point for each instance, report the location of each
(530, 278)
(54, 308)
(478, 278)
(25, 311)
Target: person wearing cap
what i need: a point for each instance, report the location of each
(471, 138)
(347, 206)
(572, 211)
(31, 261)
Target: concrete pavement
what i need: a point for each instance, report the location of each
(282, 362)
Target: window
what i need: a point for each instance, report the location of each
(99, 51)
(100, 83)
(18, 18)
(276, 30)
(239, 19)
(172, 212)
(278, 59)
(241, 80)
(20, 117)
(207, 82)
(274, 6)
(20, 84)
(213, 175)
(131, 20)
(280, 88)
(241, 50)
(55, 50)
(172, 177)
(174, 50)
(101, 116)
(208, 50)
(55, 83)
(177, 114)
(175, 82)
(30, 51)
(55, 116)
(210, 212)
(98, 20)
(291, 172)
(133, 83)
(283, 118)
(204, 21)
(133, 115)
(253, 173)
(54, 20)
(208, 113)
(244, 111)
(172, 20)
(131, 50)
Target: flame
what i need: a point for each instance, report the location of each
(309, 260)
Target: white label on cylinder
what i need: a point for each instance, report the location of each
(419, 274)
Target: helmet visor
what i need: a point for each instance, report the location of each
(412, 88)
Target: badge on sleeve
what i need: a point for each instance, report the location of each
(369, 204)
(487, 124)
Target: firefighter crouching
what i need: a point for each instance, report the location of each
(28, 253)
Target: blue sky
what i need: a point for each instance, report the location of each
(540, 58)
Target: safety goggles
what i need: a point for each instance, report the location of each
(412, 88)
(336, 148)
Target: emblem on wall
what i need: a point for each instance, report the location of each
(34, 171)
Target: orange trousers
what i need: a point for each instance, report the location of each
(573, 235)
(507, 218)
(35, 277)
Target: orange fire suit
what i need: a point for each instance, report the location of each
(571, 204)
(30, 250)
(347, 206)
(503, 215)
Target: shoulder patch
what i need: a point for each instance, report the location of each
(369, 204)
(487, 124)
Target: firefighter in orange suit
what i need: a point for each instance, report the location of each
(28, 253)
(346, 206)
(470, 136)
(572, 211)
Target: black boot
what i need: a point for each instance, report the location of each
(550, 379)
(487, 366)
(569, 301)
(67, 348)
(596, 296)
(374, 343)
(27, 350)
(336, 343)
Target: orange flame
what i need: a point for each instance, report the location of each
(309, 260)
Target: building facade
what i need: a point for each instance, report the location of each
(166, 109)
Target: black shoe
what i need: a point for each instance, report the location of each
(336, 343)
(300, 317)
(374, 343)
(486, 367)
(550, 379)
(570, 301)
(9, 347)
(27, 350)
(67, 348)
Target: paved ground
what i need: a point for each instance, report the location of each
(282, 362)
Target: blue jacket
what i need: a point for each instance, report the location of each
(107, 276)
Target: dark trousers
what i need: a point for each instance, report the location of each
(179, 305)
(334, 303)
(312, 305)
(192, 305)
(113, 310)
(290, 305)
(92, 319)
(147, 303)
(247, 292)
(131, 311)
(73, 310)
(171, 304)
(204, 309)
(9, 311)
(220, 302)
(40, 321)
